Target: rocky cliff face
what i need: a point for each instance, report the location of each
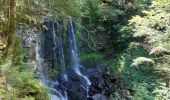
(30, 37)
(103, 84)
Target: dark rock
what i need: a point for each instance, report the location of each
(99, 97)
(102, 84)
(102, 81)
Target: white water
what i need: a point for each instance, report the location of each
(57, 95)
(50, 85)
(57, 41)
(74, 56)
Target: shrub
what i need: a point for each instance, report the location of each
(91, 59)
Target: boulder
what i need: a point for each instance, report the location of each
(101, 82)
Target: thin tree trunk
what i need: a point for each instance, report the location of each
(6, 9)
(11, 33)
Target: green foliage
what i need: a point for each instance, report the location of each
(126, 59)
(144, 65)
(141, 82)
(18, 81)
(53, 73)
(115, 96)
(106, 22)
(21, 83)
(89, 8)
(62, 9)
(79, 36)
(161, 92)
(155, 26)
(91, 59)
(119, 8)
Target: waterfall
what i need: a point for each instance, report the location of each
(55, 92)
(58, 41)
(74, 55)
(51, 49)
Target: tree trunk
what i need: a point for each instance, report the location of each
(11, 33)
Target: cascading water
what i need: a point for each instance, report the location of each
(51, 50)
(74, 56)
(52, 85)
(58, 41)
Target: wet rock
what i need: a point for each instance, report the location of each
(73, 86)
(102, 85)
(99, 97)
(73, 76)
(101, 82)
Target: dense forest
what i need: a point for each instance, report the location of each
(84, 49)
